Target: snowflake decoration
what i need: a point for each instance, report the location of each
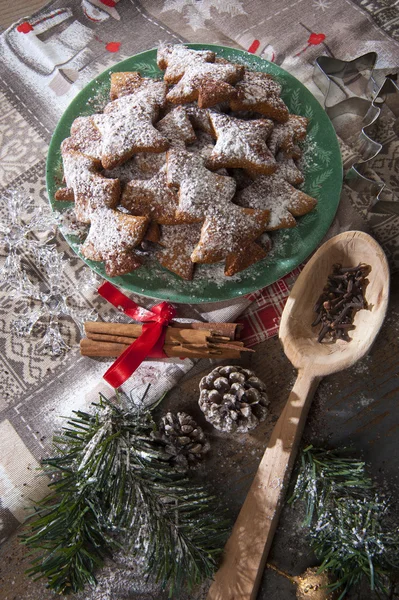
(321, 4)
(22, 235)
(47, 302)
(197, 12)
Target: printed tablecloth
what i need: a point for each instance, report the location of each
(46, 59)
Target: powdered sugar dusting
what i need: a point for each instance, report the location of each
(242, 143)
(274, 193)
(199, 188)
(127, 125)
(261, 93)
(90, 189)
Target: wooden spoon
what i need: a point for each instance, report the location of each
(246, 551)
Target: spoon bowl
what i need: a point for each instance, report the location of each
(246, 551)
(299, 338)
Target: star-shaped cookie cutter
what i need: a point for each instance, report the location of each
(349, 87)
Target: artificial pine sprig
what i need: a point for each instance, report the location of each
(350, 529)
(112, 486)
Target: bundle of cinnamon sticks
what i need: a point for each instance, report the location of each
(188, 340)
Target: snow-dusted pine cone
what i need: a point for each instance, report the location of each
(233, 399)
(184, 440)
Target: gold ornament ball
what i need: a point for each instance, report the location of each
(313, 586)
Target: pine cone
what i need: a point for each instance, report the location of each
(233, 399)
(184, 440)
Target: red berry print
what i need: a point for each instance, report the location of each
(113, 46)
(254, 46)
(25, 27)
(316, 38)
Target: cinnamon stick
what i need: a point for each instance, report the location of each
(195, 340)
(225, 330)
(133, 331)
(95, 348)
(230, 330)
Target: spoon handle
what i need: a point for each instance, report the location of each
(247, 548)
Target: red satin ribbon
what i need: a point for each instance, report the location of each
(151, 341)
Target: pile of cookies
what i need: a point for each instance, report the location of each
(197, 166)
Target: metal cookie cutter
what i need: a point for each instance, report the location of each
(349, 87)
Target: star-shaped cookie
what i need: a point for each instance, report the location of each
(152, 198)
(275, 194)
(112, 237)
(126, 126)
(199, 117)
(85, 185)
(199, 76)
(199, 188)
(287, 168)
(284, 136)
(125, 83)
(176, 127)
(143, 165)
(241, 144)
(259, 92)
(230, 235)
(208, 83)
(178, 243)
(85, 137)
(174, 59)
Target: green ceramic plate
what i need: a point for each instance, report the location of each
(323, 180)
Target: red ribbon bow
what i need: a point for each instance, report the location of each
(151, 340)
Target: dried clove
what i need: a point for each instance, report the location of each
(342, 297)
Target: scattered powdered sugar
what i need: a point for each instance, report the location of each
(363, 401)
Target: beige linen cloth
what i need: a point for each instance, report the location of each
(46, 59)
